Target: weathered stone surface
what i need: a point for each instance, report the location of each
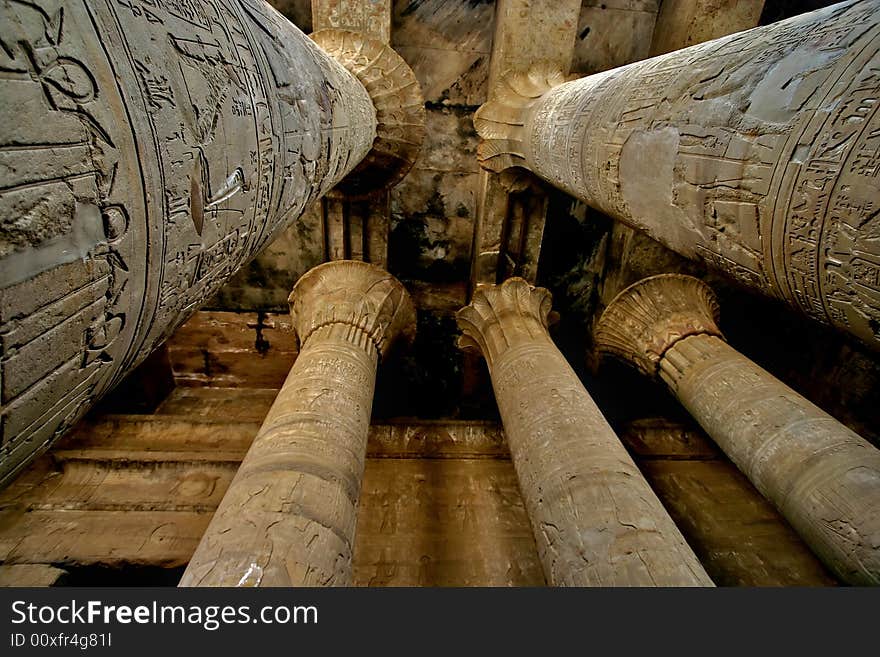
(613, 33)
(440, 504)
(397, 99)
(433, 208)
(369, 17)
(232, 350)
(509, 227)
(30, 575)
(683, 23)
(450, 522)
(739, 537)
(432, 225)
(658, 438)
(289, 516)
(823, 477)
(164, 539)
(447, 44)
(750, 152)
(518, 23)
(265, 282)
(140, 175)
(595, 519)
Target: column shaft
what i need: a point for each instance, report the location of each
(596, 520)
(288, 518)
(148, 151)
(756, 152)
(289, 515)
(823, 477)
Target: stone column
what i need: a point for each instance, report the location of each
(288, 517)
(596, 520)
(148, 151)
(758, 153)
(512, 209)
(355, 217)
(823, 477)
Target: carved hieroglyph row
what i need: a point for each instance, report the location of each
(758, 153)
(289, 515)
(823, 477)
(595, 519)
(149, 148)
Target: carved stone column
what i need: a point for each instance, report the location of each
(758, 153)
(596, 520)
(148, 150)
(823, 477)
(355, 216)
(288, 518)
(512, 209)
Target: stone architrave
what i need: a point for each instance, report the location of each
(288, 517)
(596, 520)
(823, 477)
(148, 151)
(758, 153)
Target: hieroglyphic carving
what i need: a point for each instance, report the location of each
(149, 149)
(595, 519)
(369, 17)
(288, 518)
(756, 152)
(822, 476)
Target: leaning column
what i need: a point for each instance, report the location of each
(596, 520)
(823, 477)
(149, 150)
(758, 153)
(288, 518)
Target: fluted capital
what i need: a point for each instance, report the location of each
(397, 98)
(649, 316)
(500, 122)
(368, 299)
(503, 316)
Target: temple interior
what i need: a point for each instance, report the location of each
(551, 325)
